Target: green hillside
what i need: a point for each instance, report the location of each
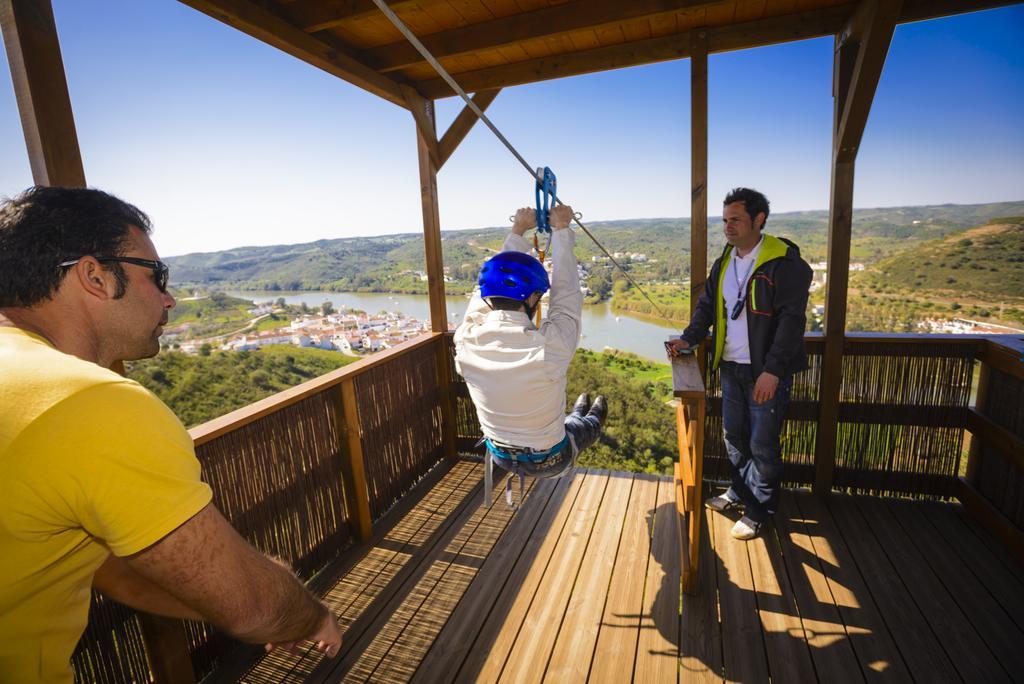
(200, 387)
(389, 263)
(985, 263)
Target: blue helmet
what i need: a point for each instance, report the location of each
(514, 275)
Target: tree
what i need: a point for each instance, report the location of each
(327, 308)
(205, 349)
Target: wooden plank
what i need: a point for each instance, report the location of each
(367, 571)
(985, 430)
(658, 647)
(332, 57)
(498, 634)
(698, 165)
(578, 632)
(829, 638)
(997, 524)
(968, 651)
(687, 382)
(1003, 358)
(317, 15)
(454, 642)
(695, 522)
(357, 497)
(399, 646)
(547, 22)
(915, 643)
(789, 659)
(700, 638)
(989, 561)
(742, 642)
(532, 649)
(37, 72)
(230, 422)
(988, 616)
(751, 34)
(362, 634)
(619, 634)
(463, 124)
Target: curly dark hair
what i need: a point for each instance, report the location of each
(44, 226)
(753, 201)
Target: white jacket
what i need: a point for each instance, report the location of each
(515, 371)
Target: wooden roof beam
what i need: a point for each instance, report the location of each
(869, 32)
(463, 124)
(265, 26)
(549, 21)
(37, 70)
(720, 39)
(320, 15)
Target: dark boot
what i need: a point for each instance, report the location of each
(582, 405)
(599, 409)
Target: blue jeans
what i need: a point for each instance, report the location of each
(752, 439)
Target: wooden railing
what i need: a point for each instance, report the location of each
(993, 485)
(902, 415)
(302, 475)
(688, 388)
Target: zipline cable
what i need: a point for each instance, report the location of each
(443, 73)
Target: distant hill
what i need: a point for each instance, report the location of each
(392, 263)
(985, 262)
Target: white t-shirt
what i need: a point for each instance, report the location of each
(515, 371)
(737, 275)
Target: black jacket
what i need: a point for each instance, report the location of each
(776, 309)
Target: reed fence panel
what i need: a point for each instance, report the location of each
(400, 424)
(467, 425)
(903, 403)
(111, 650)
(278, 480)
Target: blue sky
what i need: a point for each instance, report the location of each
(225, 141)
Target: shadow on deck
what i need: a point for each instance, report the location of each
(582, 584)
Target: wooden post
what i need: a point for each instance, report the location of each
(698, 165)
(981, 407)
(426, 145)
(860, 50)
(167, 649)
(357, 497)
(429, 160)
(37, 70)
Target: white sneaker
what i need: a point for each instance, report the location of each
(746, 529)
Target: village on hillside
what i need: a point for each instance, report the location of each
(349, 332)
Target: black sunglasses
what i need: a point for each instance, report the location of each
(161, 273)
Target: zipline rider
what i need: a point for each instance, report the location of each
(515, 370)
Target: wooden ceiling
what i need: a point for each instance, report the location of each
(489, 44)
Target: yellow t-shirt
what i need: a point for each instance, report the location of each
(90, 463)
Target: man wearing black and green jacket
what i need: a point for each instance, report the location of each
(755, 300)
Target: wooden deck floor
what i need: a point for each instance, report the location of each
(582, 584)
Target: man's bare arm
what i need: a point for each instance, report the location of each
(208, 567)
(117, 580)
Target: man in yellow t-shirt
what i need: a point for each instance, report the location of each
(99, 483)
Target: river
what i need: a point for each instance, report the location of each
(601, 326)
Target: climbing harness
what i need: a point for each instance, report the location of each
(511, 460)
(472, 106)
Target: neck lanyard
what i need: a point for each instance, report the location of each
(741, 284)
